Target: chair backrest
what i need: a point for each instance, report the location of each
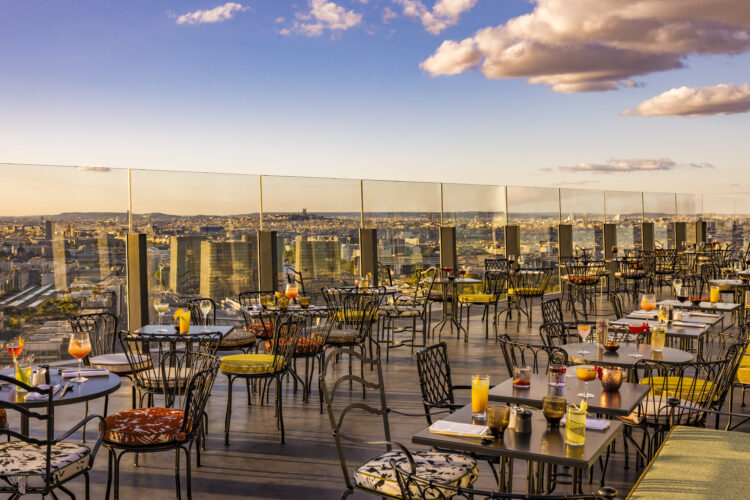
(338, 414)
(495, 283)
(499, 264)
(615, 298)
(530, 282)
(286, 333)
(163, 363)
(196, 315)
(687, 263)
(665, 260)
(293, 276)
(384, 275)
(198, 389)
(250, 299)
(536, 356)
(346, 306)
(434, 377)
(102, 330)
(552, 312)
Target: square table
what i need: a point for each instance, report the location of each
(543, 446)
(153, 329)
(685, 334)
(620, 403)
(450, 304)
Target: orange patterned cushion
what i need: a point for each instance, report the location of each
(259, 330)
(304, 346)
(144, 426)
(3, 417)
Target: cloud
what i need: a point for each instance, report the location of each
(631, 165)
(215, 15)
(94, 169)
(388, 14)
(444, 13)
(597, 45)
(692, 101)
(323, 16)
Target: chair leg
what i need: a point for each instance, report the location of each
(109, 473)
(86, 484)
(117, 474)
(279, 409)
(228, 415)
(177, 472)
(187, 473)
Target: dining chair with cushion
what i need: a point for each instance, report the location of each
(537, 357)
(524, 286)
(411, 307)
(494, 286)
(239, 339)
(268, 367)
(39, 466)
(175, 426)
(377, 475)
(261, 327)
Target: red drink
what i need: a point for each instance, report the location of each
(15, 350)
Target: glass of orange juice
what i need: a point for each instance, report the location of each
(79, 347)
(480, 388)
(714, 295)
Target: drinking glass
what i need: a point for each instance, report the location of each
(587, 373)
(522, 377)
(557, 375)
(553, 409)
(205, 309)
(663, 315)
(304, 302)
(161, 307)
(23, 371)
(658, 338)
(498, 417)
(575, 426)
(291, 291)
(584, 331)
(648, 302)
(715, 294)
(480, 388)
(79, 347)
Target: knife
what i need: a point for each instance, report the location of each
(64, 390)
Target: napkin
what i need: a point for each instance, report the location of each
(688, 324)
(90, 372)
(35, 396)
(459, 429)
(643, 314)
(592, 424)
(705, 315)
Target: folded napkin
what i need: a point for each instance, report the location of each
(592, 424)
(702, 314)
(688, 324)
(35, 396)
(459, 429)
(89, 372)
(643, 314)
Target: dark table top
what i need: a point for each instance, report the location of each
(542, 445)
(731, 283)
(94, 387)
(700, 319)
(692, 332)
(152, 329)
(622, 357)
(702, 306)
(457, 281)
(620, 403)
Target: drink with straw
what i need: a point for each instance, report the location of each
(480, 388)
(575, 425)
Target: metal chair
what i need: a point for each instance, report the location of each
(665, 265)
(538, 357)
(524, 286)
(554, 330)
(176, 426)
(377, 476)
(435, 380)
(385, 277)
(39, 466)
(196, 315)
(238, 339)
(495, 284)
(581, 279)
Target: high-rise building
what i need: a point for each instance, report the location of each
(226, 268)
(318, 256)
(59, 259)
(185, 264)
(49, 230)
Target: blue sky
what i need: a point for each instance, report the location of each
(122, 84)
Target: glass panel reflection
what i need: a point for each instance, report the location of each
(584, 209)
(659, 208)
(625, 210)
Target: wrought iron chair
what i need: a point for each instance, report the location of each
(581, 279)
(384, 275)
(239, 339)
(271, 366)
(665, 265)
(523, 287)
(176, 426)
(495, 285)
(435, 380)
(554, 330)
(406, 307)
(377, 476)
(499, 264)
(616, 299)
(263, 329)
(538, 357)
(687, 264)
(634, 275)
(39, 466)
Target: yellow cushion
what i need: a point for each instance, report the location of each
(526, 290)
(689, 385)
(352, 315)
(743, 372)
(482, 298)
(251, 363)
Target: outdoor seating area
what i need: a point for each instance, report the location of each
(399, 411)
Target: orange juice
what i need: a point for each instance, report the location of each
(185, 322)
(480, 388)
(586, 373)
(715, 294)
(78, 350)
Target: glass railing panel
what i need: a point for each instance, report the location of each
(201, 231)
(478, 214)
(407, 217)
(724, 220)
(659, 208)
(317, 222)
(62, 252)
(625, 210)
(687, 208)
(584, 210)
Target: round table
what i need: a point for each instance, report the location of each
(622, 357)
(93, 388)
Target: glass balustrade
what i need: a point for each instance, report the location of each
(584, 210)
(659, 208)
(625, 210)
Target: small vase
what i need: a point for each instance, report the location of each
(611, 379)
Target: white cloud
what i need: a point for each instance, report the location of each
(215, 15)
(595, 45)
(631, 165)
(444, 13)
(691, 101)
(388, 14)
(323, 16)
(279, 19)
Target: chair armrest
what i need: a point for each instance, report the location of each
(81, 424)
(398, 445)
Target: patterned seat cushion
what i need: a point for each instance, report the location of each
(477, 298)
(526, 290)
(24, 464)
(259, 330)
(238, 338)
(305, 347)
(118, 362)
(450, 468)
(144, 426)
(400, 311)
(251, 363)
(345, 336)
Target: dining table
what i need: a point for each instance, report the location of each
(624, 356)
(449, 289)
(686, 331)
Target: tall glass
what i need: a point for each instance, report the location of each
(480, 388)
(658, 338)
(161, 307)
(575, 426)
(291, 291)
(584, 331)
(714, 295)
(79, 347)
(205, 309)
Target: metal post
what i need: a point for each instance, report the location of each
(448, 256)
(680, 234)
(512, 240)
(137, 272)
(565, 240)
(268, 262)
(368, 255)
(647, 236)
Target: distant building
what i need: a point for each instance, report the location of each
(49, 230)
(738, 233)
(637, 235)
(318, 257)
(226, 268)
(185, 264)
(60, 265)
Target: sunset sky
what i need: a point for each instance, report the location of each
(603, 94)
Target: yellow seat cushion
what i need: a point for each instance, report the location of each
(689, 385)
(526, 290)
(351, 316)
(479, 298)
(743, 372)
(251, 363)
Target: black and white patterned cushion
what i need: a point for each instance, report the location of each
(450, 468)
(401, 311)
(23, 464)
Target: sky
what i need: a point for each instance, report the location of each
(644, 95)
